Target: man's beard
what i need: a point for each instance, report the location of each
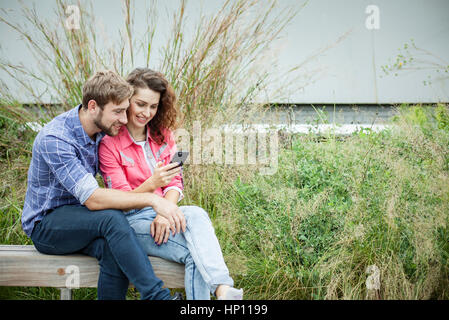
(108, 130)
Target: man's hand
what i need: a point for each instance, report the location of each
(160, 229)
(172, 213)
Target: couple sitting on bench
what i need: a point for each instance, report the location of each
(124, 129)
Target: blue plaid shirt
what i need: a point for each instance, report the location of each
(62, 170)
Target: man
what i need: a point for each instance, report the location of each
(65, 210)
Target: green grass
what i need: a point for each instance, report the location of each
(336, 207)
(333, 208)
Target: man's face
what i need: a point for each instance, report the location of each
(112, 117)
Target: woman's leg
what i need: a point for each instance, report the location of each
(174, 250)
(205, 248)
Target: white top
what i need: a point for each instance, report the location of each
(142, 144)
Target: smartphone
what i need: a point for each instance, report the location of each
(181, 157)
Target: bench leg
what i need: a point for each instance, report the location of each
(66, 293)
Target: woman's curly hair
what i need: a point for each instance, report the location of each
(165, 117)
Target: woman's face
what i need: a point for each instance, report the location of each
(142, 107)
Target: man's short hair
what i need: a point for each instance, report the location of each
(104, 87)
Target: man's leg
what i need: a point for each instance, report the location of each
(70, 229)
(112, 283)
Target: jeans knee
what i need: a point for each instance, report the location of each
(115, 220)
(193, 213)
(116, 217)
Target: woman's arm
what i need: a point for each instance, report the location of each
(146, 186)
(172, 196)
(162, 176)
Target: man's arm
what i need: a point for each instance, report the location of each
(102, 199)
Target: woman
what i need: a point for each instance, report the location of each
(137, 160)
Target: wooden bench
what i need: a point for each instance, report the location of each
(24, 266)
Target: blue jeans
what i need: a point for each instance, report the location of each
(197, 248)
(107, 236)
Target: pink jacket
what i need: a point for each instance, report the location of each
(123, 165)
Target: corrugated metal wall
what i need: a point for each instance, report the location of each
(349, 71)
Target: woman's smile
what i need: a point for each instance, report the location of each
(142, 119)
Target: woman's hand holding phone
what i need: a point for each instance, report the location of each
(163, 175)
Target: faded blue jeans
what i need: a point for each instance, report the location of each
(197, 248)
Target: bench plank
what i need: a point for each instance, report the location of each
(25, 266)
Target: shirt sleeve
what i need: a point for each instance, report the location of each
(61, 157)
(112, 172)
(181, 195)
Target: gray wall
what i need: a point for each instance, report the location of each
(350, 71)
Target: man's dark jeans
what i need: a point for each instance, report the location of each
(107, 236)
